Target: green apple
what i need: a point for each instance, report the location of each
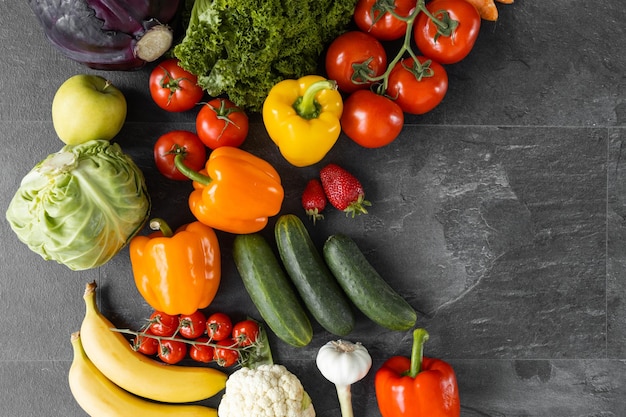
(87, 107)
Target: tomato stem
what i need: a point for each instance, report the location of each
(179, 161)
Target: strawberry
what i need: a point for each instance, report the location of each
(314, 200)
(343, 190)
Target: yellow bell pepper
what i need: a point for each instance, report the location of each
(177, 273)
(302, 117)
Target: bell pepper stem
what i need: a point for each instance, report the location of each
(420, 336)
(306, 105)
(179, 161)
(160, 224)
(344, 393)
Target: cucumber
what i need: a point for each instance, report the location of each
(316, 285)
(270, 290)
(365, 287)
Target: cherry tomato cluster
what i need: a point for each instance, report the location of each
(219, 121)
(212, 338)
(380, 91)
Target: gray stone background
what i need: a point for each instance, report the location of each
(499, 216)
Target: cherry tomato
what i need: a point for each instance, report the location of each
(193, 325)
(373, 17)
(370, 119)
(179, 142)
(172, 351)
(228, 355)
(221, 123)
(219, 326)
(145, 344)
(246, 332)
(451, 45)
(353, 58)
(201, 352)
(417, 90)
(174, 89)
(163, 324)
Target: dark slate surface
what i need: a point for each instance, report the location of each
(499, 216)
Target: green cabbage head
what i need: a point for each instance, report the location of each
(81, 205)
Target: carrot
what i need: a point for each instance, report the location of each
(486, 8)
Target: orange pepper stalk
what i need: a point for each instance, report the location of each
(417, 387)
(236, 192)
(177, 273)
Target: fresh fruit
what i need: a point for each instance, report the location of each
(202, 352)
(314, 200)
(100, 397)
(172, 351)
(87, 107)
(245, 332)
(145, 344)
(343, 190)
(270, 289)
(163, 324)
(219, 326)
(225, 353)
(176, 142)
(174, 89)
(315, 283)
(193, 325)
(221, 123)
(137, 373)
(369, 292)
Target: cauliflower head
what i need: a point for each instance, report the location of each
(265, 391)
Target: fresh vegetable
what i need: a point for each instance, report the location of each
(314, 200)
(270, 290)
(417, 89)
(201, 351)
(177, 272)
(343, 190)
(236, 192)
(88, 107)
(447, 30)
(172, 351)
(266, 391)
(177, 142)
(380, 19)
(246, 332)
(163, 324)
(313, 280)
(108, 35)
(145, 344)
(221, 123)
(344, 363)
(224, 354)
(113, 355)
(371, 120)
(81, 205)
(100, 397)
(417, 387)
(219, 326)
(243, 48)
(192, 326)
(302, 118)
(353, 59)
(369, 292)
(174, 89)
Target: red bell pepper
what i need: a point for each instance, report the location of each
(417, 387)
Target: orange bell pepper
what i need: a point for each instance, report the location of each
(236, 192)
(177, 273)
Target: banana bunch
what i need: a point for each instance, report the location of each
(108, 378)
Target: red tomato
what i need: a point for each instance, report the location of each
(145, 344)
(179, 142)
(452, 45)
(417, 90)
(228, 355)
(202, 352)
(353, 59)
(221, 123)
(163, 324)
(219, 326)
(174, 89)
(193, 325)
(371, 120)
(373, 17)
(246, 332)
(172, 351)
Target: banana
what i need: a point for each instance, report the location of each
(99, 397)
(133, 371)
